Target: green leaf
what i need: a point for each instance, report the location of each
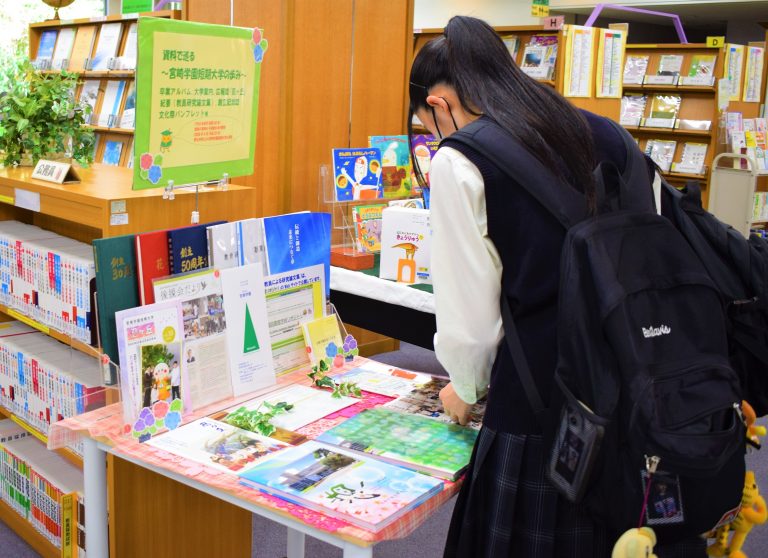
(22, 124)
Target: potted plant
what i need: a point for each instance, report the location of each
(39, 116)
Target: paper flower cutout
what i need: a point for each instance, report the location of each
(260, 45)
(160, 409)
(172, 420)
(331, 350)
(155, 174)
(146, 161)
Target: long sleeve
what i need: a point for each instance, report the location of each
(466, 271)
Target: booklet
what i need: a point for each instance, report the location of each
(664, 109)
(632, 109)
(634, 69)
(319, 334)
(360, 490)
(662, 152)
(693, 158)
(419, 443)
(383, 379)
(217, 444)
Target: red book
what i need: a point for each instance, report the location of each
(151, 262)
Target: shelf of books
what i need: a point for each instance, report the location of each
(102, 51)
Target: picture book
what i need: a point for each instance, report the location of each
(89, 94)
(367, 223)
(383, 379)
(151, 262)
(424, 148)
(217, 444)
(110, 103)
(420, 443)
(116, 287)
(204, 332)
(318, 334)
(151, 365)
(128, 118)
(106, 46)
(405, 245)
(424, 400)
(63, 49)
(81, 51)
(664, 109)
(632, 109)
(188, 248)
(360, 490)
(634, 69)
(357, 173)
(112, 152)
(46, 48)
(309, 404)
(395, 164)
(298, 240)
(248, 345)
(127, 60)
(692, 159)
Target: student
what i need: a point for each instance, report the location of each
(491, 237)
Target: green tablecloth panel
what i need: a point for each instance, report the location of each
(374, 272)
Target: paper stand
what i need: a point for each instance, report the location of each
(222, 185)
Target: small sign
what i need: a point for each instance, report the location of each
(661, 80)
(118, 219)
(539, 11)
(715, 42)
(117, 206)
(27, 200)
(134, 6)
(553, 22)
(55, 171)
(698, 80)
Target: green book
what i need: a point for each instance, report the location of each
(116, 287)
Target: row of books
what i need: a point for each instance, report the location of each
(670, 71)
(747, 136)
(692, 157)
(43, 381)
(47, 277)
(95, 47)
(115, 151)
(383, 169)
(112, 102)
(368, 470)
(663, 112)
(43, 488)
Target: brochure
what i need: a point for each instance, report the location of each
(318, 334)
(383, 379)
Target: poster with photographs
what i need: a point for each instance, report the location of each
(205, 325)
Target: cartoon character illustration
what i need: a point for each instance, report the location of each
(410, 249)
(635, 543)
(166, 140)
(341, 493)
(753, 512)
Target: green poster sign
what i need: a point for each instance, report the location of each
(137, 6)
(197, 102)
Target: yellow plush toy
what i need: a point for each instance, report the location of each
(753, 512)
(754, 431)
(635, 543)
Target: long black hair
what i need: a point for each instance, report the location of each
(471, 57)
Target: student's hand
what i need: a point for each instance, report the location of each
(454, 406)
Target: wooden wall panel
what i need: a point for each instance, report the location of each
(207, 11)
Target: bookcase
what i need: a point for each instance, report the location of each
(110, 89)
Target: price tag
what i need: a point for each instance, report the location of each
(55, 171)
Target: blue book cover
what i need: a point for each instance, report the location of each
(298, 240)
(188, 248)
(112, 151)
(360, 490)
(357, 173)
(47, 44)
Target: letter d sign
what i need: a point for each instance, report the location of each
(715, 42)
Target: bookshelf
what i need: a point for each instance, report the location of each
(105, 121)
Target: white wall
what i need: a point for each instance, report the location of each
(428, 14)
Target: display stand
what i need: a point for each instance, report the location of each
(221, 186)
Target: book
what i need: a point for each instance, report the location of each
(670, 65)
(632, 109)
(127, 60)
(692, 159)
(634, 69)
(405, 245)
(63, 51)
(236, 243)
(535, 61)
(664, 110)
(662, 152)
(217, 444)
(357, 173)
(309, 404)
(415, 442)
(112, 152)
(45, 49)
(512, 42)
(396, 165)
(424, 148)
(188, 248)
(383, 379)
(359, 490)
(151, 262)
(110, 103)
(116, 287)
(106, 46)
(318, 334)
(248, 344)
(152, 367)
(298, 240)
(702, 65)
(128, 118)
(81, 51)
(367, 223)
(424, 400)
(89, 95)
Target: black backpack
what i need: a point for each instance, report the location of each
(645, 426)
(739, 268)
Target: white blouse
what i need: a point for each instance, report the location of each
(466, 274)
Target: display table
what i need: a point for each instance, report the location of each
(103, 432)
(397, 310)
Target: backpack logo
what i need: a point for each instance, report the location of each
(656, 331)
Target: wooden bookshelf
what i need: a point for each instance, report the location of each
(51, 332)
(70, 456)
(25, 530)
